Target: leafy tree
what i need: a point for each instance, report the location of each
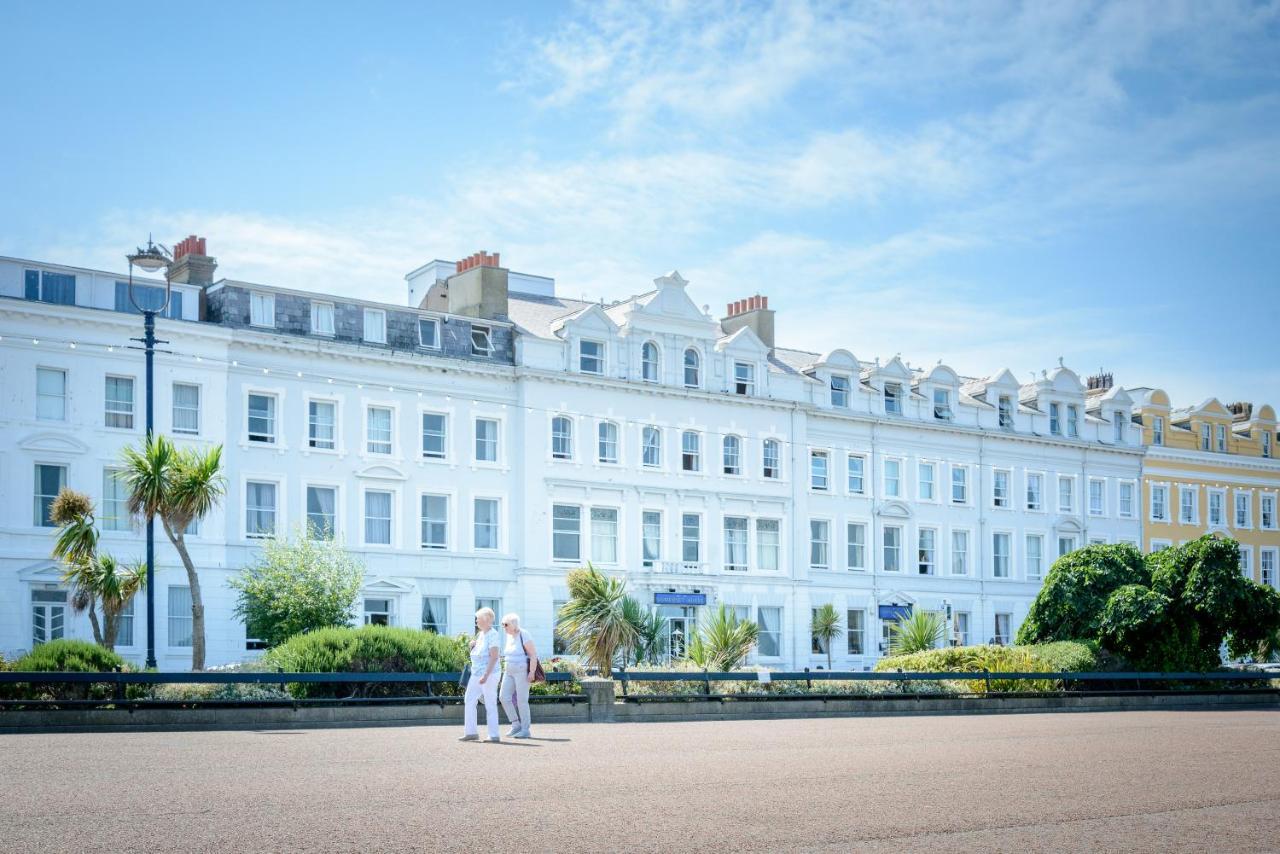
(725, 639)
(1173, 612)
(1070, 604)
(594, 621)
(918, 631)
(178, 486)
(97, 579)
(825, 627)
(297, 585)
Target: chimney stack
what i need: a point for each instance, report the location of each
(478, 288)
(192, 264)
(753, 311)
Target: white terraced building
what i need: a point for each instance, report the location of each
(475, 445)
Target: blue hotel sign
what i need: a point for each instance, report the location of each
(894, 612)
(679, 598)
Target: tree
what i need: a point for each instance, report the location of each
(825, 628)
(725, 639)
(1172, 610)
(96, 578)
(917, 632)
(650, 631)
(297, 585)
(594, 621)
(177, 486)
(1075, 592)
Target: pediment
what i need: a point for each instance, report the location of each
(1118, 396)
(894, 510)
(895, 597)
(1004, 379)
(591, 319)
(672, 300)
(381, 472)
(43, 571)
(837, 360)
(53, 443)
(744, 342)
(1213, 407)
(942, 375)
(1069, 525)
(1066, 380)
(386, 586)
(895, 369)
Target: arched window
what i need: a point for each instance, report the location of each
(561, 438)
(692, 368)
(732, 455)
(652, 450)
(771, 460)
(690, 451)
(608, 435)
(649, 364)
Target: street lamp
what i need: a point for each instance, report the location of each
(150, 260)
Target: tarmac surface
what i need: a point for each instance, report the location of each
(1125, 781)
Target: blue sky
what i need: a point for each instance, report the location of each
(988, 184)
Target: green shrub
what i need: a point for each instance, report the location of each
(63, 656)
(559, 665)
(368, 649)
(975, 659)
(1069, 605)
(1067, 656)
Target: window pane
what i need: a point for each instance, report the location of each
(321, 507)
(433, 436)
(435, 614)
(604, 535)
(260, 509)
(48, 482)
(180, 620)
(435, 521)
(486, 523)
(377, 518)
(119, 402)
(186, 408)
(566, 532)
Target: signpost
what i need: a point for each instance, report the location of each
(893, 613)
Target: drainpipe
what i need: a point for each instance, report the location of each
(979, 563)
(873, 544)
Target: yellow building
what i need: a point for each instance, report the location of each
(1211, 469)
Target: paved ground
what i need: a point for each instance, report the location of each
(1131, 781)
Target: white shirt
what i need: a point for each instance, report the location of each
(484, 641)
(514, 653)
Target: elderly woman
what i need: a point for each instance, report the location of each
(483, 681)
(521, 662)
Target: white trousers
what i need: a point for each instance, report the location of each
(475, 691)
(515, 696)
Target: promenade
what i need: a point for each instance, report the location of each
(1137, 781)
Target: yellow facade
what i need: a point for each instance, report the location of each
(1212, 469)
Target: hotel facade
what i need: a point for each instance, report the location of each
(475, 444)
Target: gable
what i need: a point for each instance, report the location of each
(744, 342)
(381, 472)
(591, 321)
(53, 443)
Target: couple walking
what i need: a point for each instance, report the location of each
(520, 661)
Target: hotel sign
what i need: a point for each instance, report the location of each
(679, 598)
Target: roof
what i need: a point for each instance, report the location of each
(535, 315)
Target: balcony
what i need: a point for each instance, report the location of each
(676, 567)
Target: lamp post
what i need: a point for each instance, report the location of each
(150, 260)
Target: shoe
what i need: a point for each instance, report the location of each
(523, 734)
(514, 732)
(493, 739)
(469, 738)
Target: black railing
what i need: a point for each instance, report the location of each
(358, 682)
(1068, 683)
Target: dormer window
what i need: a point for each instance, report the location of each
(744, 378)
(429, 333)
(839, 391)
(893, 398)
(942, 404)
(481, 341)
(1205, 437)
(649, 363)
(322, 318)
(1006, 412)
(1266, 443)
(1055, 419)
(1117, 420)
(1157, 430)
(262, 309)
(591, 357)
(1073, 422)
(692, 368)
(375, 326)
(1222, 438)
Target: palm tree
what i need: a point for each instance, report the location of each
(177, 486)
(76, 547)
(916, 632)
(594, 620)
(825, 628)
(116, 584)
(727, 640)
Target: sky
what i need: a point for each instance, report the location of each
(986, 184)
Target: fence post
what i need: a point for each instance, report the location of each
(706, 682)
(599, 698)
(118, 692)
(808, 680)
(622, 671)
(986, 677)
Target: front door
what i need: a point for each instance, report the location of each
(48, 615)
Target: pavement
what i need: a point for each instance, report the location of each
(1125, 781)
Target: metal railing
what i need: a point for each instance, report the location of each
(1069, 683)
(121, 680)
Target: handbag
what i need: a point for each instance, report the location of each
(539, 675)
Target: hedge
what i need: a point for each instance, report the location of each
(64, 655)
(369, 649)
(976, 659)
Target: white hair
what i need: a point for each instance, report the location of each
(513, 619)
(486, 612)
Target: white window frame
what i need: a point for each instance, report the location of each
(597, 359)
(1070, 507)
(425, 520)
(369, 441)
(819, 470)
(1101, 483)
(604, 441)
(1161, 489)
(1037, 477)
(1263, 523)
(899, 537)
(605, 540)
(481, 340)
(312, 437)
(262, 309)
(856, 561)
(841, 388)
(1034, 571)
(942, 410)
(650, 369)
(365, 518)
(927, 558)
(61, 399)
(562, 438)
(886, 479)
(686, 367)
(174, 408)
(1130, 487)
(963, 470)
(1002, 499)
(819, 543)
(373, 329)
(1188, 512)
(499, 525)
(1247, 495)
(767, 471)
(895, 398)
(961, 559)
(931, 481)
(444, 417)
(306, 507)
(773, 561)
(861, 475)
(647, 459)
(565, 526)
(273, 437)
(1157, 430)
(277, 508)
(497, 440)
(731, 460)
(685, 540)
(733, 525)
(432, 323)
(651, 534)
(319, 309)
(690, 452)
(996, 538)
(129, 413)
(744, 378)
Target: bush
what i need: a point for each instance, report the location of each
(1069, 605)
(64, 656)
(369, 649)
(559, 665)
(976, 659)
(1068, 656)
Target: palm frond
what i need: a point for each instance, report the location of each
(147, 473)
(916, 632)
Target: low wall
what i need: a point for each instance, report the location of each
(601, 707)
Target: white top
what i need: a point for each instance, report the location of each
(513, 653)
(484, 641)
